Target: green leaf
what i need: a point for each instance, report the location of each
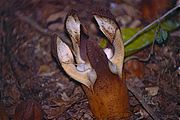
(140, 42)
(162, 36)
(170, 25)
(147, 37)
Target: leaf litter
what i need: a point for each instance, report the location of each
(30, 72)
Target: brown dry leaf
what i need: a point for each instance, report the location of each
(135, 83)
(134, 68)
(3, 114)
(44, 69)
(28, 110)
(54, 112)
(58, 108)
(153, 66)
(13, 92)
(45, 10)
(56, 16)
(151, 9)
(56, 27)
(152, 91)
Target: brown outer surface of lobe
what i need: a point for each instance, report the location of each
(109, 101)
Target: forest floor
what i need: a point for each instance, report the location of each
(32, 79)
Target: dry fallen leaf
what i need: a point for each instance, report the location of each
(28, 110)
(59, 106)
(13, 92)
(3, 114)
(151, 9)
(134, 68)
(44, 69)
(152, 91)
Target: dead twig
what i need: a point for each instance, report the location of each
(150, 25)
(138, 96)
